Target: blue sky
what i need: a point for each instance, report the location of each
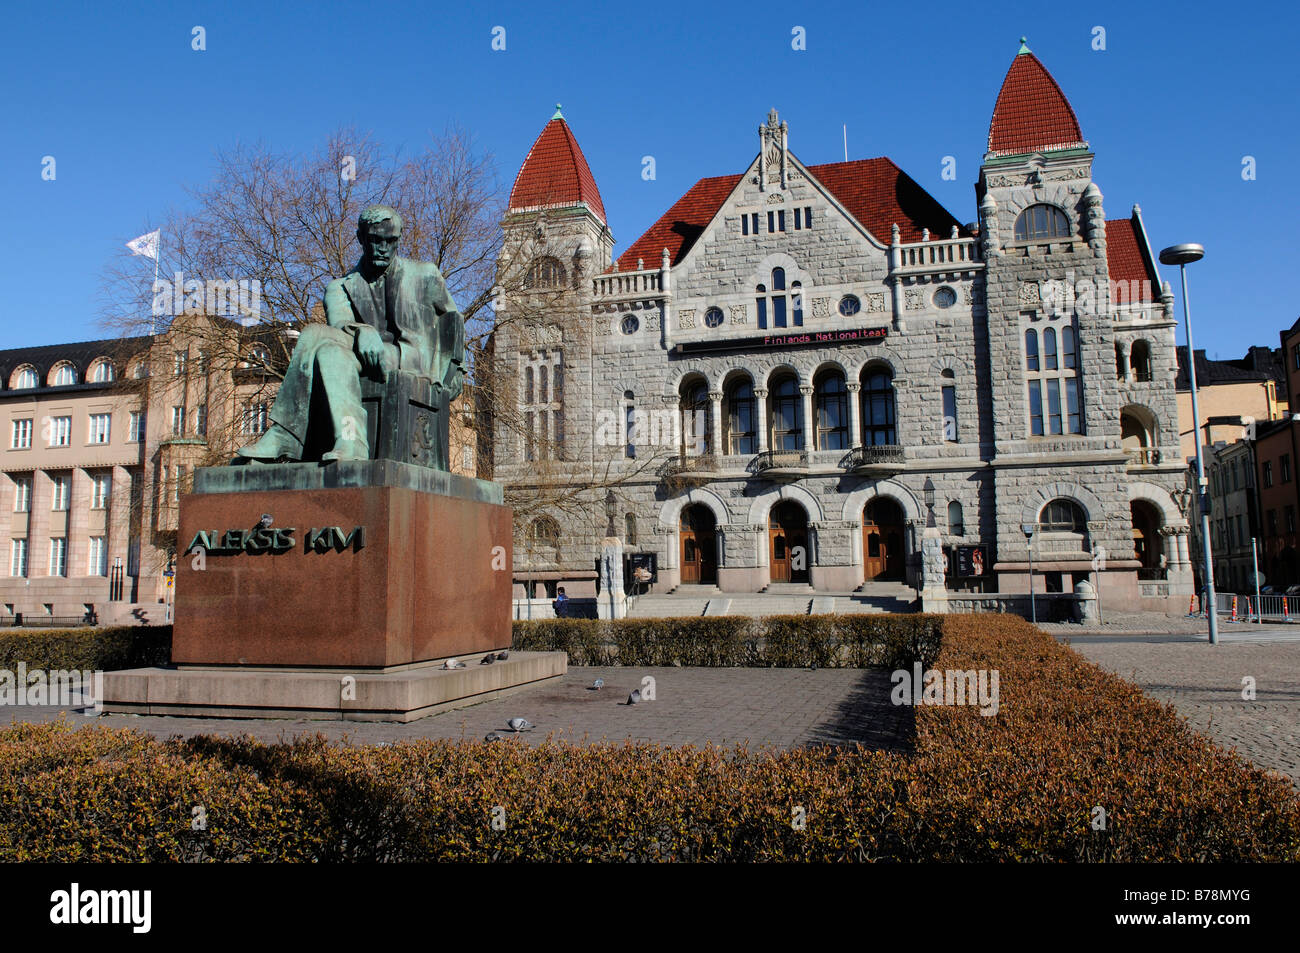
(132, 115)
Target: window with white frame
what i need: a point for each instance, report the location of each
(26, 379)
(65, 375)
(102, 372)
(59, 486)
(201, 420)
(22, 494)
(60, 431)
(22, 434)
(136, 431)
(254, 418)
(178, 420)
(98, 556)
(179, 361)
(100, 484)
(18, 557)
(178, 475)
(100, 425)
(59, 556)
(1054, 390)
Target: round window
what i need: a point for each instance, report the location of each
(630, 324)
(712, 317)
(945, 297)
(850, 305)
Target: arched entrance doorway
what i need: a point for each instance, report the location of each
(788, 542)
(699, 546)
(882, 540)
(1146, 538)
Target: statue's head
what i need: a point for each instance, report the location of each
(378, 230)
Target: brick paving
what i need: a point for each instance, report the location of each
(761, 707)
(1204, 683)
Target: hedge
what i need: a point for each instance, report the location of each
(1021, 785)
(99, 648)
(828, 641)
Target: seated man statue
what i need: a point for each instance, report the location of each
(388, 314)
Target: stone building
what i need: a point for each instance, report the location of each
(771, 383)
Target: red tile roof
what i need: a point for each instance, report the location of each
(555, 173)
(874, 191)
(1128, 264)
(1032, 114)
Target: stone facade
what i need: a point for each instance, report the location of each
(895, 363)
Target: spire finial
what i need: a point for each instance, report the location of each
(557, 112)
(1024, 47)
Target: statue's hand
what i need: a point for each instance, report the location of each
(370, 350)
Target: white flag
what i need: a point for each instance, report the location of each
(146, 244)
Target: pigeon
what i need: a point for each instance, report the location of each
(453, 663)
(487, 660)
(520, 724)
(634, 697)
(598, 684)
(492, 736)
(266, 521)
(502, 656)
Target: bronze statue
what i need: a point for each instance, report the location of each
(388, 315)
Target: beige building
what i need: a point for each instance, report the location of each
(1229, 394)
(73, 456)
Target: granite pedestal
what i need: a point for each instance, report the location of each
(312, 574)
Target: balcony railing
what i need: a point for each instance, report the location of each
(1144, 456)
(878, 458)
(1152, 573)
(702, 466)
(771, 461)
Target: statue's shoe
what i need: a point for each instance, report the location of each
(276, 445)
(347, 450)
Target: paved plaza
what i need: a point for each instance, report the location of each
(761, 707)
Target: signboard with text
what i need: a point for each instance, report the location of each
(780, 342)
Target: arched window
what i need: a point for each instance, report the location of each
(1031, 350)
(25, 378)
(956, 525)
(1140, 360)
(629, 529)
(544, 539)
(760, 303)
(102, 371)
(545, 273)
(528, 384)
(948, 392)
(832, 404)
(1052, 384)
(778, 298)
(1063, 516)
(1120, 363)
(629, 411)
(796, 302)
(742, 432)
(1069, 348)
(64, 375)
(786, 415)
(697, 435)
(878, 407)
(1049, 350)
(1042, 221)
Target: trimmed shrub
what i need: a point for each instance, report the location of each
(1020, 785)
(107, 648)
(827, 641)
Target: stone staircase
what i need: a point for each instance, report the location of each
(775, 599)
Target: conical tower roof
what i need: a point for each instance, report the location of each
(555, 173)
(1032, 114)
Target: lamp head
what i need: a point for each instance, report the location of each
(1183, 254)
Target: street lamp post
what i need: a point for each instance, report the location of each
(1182, 256)
(1028, 530)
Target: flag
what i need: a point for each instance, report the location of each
(146, 244)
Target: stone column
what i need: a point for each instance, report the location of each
(809, 424)
(612, 602)
(855, 414)
(760, 412)
(934, 591)
(1184, 553)
(715, 408)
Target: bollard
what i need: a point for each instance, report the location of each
(1234, 609)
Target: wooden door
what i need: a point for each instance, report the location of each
(690, 557)
(874, 551)
(788, 544)
(780, 555)
(882, 541)
(699, 547)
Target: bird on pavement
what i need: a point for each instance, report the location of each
(520, 724)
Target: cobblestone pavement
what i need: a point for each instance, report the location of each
(1204, 683)
(779, 708)
(1153, 622)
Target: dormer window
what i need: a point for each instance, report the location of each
(26, 379)
(1040, 222)
(65, 375)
